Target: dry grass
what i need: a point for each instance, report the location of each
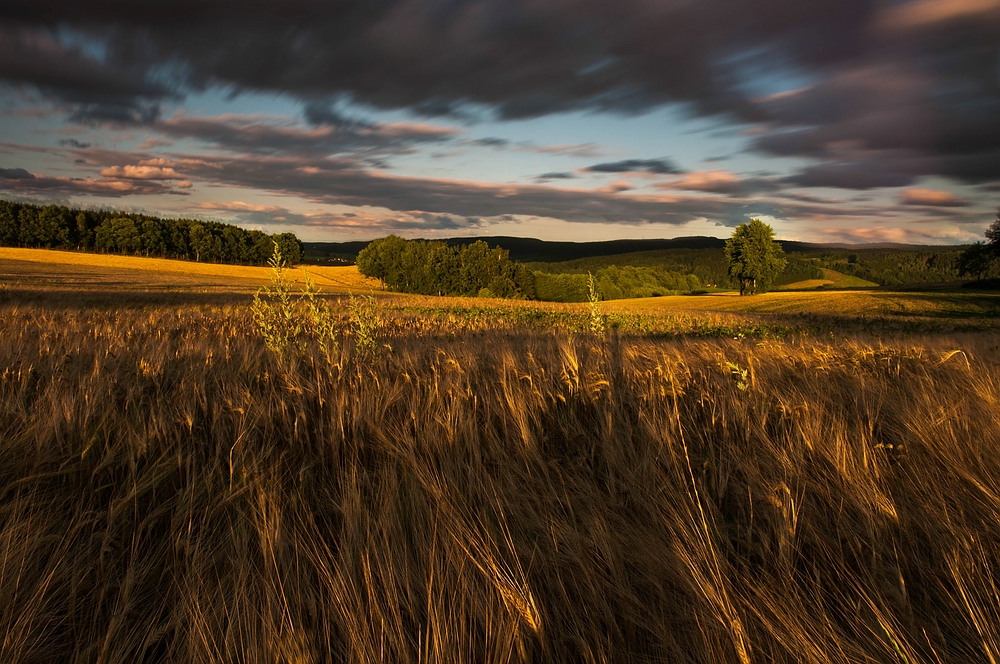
(878, 304)
(172, 492)
(41, 267)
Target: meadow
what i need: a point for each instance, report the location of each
(791, 477)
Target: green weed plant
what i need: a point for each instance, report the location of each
(366, 324)
(289, 321)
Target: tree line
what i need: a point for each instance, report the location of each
(135, 234)
(436, 268)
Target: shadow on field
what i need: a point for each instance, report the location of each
(103, 298)
(954, 307)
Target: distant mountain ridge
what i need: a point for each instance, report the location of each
(531, 250)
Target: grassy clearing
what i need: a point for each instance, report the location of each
(831, 279)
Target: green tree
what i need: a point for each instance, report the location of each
(993, 235)
(153, 236)
(27, 223)
(755, 259)
(9, 225)
(128, 239)
(52, 226)
(291, 248)
(262, 246)
(382, 259)
(205, 245)
(84, 231)
(976, 261)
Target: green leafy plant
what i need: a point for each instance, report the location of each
(740, 376)
(366, 324)
(597, 322)
(290, 320)
(273, 311)
(319, 319)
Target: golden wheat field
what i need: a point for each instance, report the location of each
(783, 478)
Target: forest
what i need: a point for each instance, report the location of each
(136, 234)
(436, 268)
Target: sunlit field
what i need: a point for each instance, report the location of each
(67, 269)
(791, 477)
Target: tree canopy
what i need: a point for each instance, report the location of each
(993, 235)
(755, 259)
(435, 268)
(980, 258)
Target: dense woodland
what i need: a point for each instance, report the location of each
(436, 268)
(130, 233)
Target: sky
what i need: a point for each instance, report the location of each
(847, 121)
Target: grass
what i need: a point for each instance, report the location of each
(831, 279)
(72, 269)
(500, 484)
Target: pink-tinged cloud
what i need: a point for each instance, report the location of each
(267, 134)
(882, 234)
(711, 181)
(442, 203)
(151, 143)
(410, 130)
(932, 12)
(240, 206)
(615, 187)
(21, 181)
(931, 197)
(587, 150)
(142, 171)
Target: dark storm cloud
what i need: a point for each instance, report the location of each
(98, 91)
(850, 176)
(329, 134)
(15, 174)
(917, 77)
(657, 166)
(555, 175)
(490, 142)
(888, 111)
(522, 59)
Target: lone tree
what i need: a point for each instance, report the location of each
(993, 235)
(976, 261)
(755, 259)
(980, 257)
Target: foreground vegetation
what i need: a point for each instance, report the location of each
(497, 483)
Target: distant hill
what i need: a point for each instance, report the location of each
(809, 264)
(530, 250)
